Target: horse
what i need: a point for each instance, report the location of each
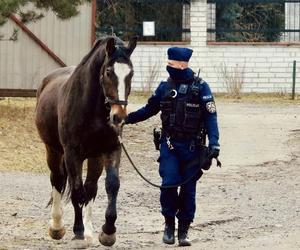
(79, 115)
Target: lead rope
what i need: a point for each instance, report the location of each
(151, 183)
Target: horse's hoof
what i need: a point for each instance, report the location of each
(78, 243)
(89, 240)
(78, 237)
(107, 239)
(57, 234)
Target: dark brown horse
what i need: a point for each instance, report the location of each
(78, 116)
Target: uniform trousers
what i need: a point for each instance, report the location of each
(173, 169)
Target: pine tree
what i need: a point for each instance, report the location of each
(253, 21)
(64, 9)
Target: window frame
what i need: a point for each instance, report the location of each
(212, 31)
(185, 29)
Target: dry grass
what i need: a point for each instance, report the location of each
(232, 78)
(21, 148)
(139, 97)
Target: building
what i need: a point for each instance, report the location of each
(259, 66)
(41, 47)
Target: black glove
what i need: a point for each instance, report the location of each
(213, 152)
(126, 120)
(203, 159)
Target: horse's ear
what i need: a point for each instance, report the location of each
(131, 44)
(110, 46)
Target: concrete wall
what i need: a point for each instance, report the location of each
(267, 68)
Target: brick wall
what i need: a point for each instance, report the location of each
(267, 68)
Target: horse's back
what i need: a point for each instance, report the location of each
(47, 100)
(55, 79)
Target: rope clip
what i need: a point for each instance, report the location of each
(170, 146)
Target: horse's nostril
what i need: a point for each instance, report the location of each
(116, 119)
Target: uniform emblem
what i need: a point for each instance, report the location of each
(211, 107)
(183, 88)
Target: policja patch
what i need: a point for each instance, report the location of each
(211, 107)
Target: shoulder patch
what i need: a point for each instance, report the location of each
(211, 107)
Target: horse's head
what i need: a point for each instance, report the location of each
(117, 73)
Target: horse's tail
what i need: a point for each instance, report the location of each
(64, 184)
(68, 192)
(67, 187)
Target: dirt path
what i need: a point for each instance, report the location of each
(251, 203)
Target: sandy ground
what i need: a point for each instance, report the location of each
(253, 202)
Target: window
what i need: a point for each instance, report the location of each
(253, 20)
(154, 20)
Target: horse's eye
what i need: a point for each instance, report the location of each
(109, 71)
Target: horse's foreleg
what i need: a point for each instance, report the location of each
(78, 194)
(94, 171)
(112, 184)
(58, 180)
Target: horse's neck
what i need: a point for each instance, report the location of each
(84, 85)
(92, 71)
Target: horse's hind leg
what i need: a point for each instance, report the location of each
(94, 170)
(112, 184)
(58, 182)
(78, 196)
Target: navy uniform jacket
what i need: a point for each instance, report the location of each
(206, 99)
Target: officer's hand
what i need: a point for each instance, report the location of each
(125, 120)
(214, 151)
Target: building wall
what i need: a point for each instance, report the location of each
(23, 63)
(267, 68)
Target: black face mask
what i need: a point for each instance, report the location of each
(178, 74)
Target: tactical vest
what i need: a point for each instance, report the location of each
(182, 114)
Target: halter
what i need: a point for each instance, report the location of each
(114, 101)
(109, 101)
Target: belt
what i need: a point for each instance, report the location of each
(179, 136)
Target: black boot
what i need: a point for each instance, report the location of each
(183, 228)
(169, 237)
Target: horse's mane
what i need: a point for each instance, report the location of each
(96, 46)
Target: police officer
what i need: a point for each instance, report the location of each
(188, 113)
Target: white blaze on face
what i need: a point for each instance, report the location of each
(121, 70)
